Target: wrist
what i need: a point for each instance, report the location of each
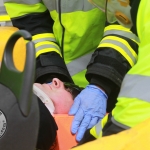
(99, 89)
(105, 84)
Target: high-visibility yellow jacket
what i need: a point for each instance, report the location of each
(73, 30)
(133, 102)
(134, 138)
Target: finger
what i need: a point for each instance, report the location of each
(83, 127)
(77, 121)
(93, 122)
(75, 106)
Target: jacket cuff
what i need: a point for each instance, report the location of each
(50, 65)
(86, 138)
(103, 83)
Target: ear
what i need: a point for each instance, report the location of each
(57, 83)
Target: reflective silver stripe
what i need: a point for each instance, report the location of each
(136, 86)
(124, 47)
(7, 23)
(1, 3)
(24, 1)
(68, 5)
(98, 128)
(119, 124)
(46, 46)
(123, 33)
(79, 64)
(44, 39)
(2, 10)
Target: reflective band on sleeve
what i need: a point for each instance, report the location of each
(79, 64)
(117, 27)
(121, 46)
(43, 37)
(120, 30)
(141, 87)
(38, 48)
(44, 47)
(45, 42)
(129, 35)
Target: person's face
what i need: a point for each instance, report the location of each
(62, 99)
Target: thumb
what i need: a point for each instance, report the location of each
(75, 106)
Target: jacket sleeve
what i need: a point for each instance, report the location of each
(36, 19)
(115, 55)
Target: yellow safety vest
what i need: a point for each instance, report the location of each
(81, 23)
(133, 104)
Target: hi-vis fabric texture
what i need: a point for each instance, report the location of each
(69, 32)
(133, 102)
(94, 52)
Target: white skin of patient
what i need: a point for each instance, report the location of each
(54, 95)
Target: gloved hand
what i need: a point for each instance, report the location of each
(89, 107)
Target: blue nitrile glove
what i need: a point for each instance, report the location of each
(88, 107)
